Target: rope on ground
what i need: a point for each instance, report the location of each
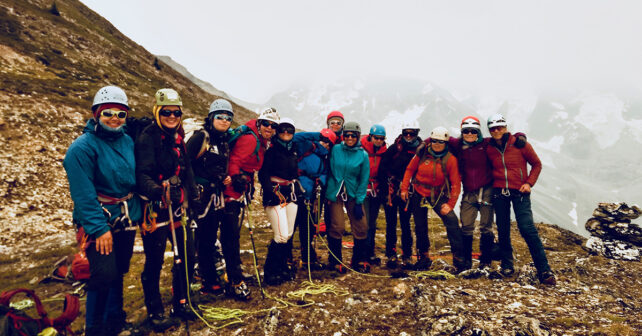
(348, 267)
(434, 275)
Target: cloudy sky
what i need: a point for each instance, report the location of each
(252, 49)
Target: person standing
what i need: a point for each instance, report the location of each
(246, 158)
(100, 168)
(512, 184)
(435, 176)
(375, 145)
(391, 171)
(347, 188)
(278, 177)
(166, 181)
(209, 153)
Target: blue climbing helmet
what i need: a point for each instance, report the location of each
(377, 130)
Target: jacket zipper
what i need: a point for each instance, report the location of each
(504, 163)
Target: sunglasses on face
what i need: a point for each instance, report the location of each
(496, 128)
(350, 135)
(224, 117)
(378, 137)
(267, 123)
(167, 113)
(336, 122)
(469, 131)
(409, 133)
(440, 142)
(110, 113)
(286, 129)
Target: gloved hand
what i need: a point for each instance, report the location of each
(239, 182)
(358, 211)
(175, 196)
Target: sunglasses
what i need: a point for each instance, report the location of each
(350, 135)
(437, 141)
(336, 122)
(378, 137)
(409, 133)
(110, 113)
(286, 129)
(224, 117)
(267, 123)
(469, 131)
(496, 128)
(167, 113)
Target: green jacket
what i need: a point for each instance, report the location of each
(349, 167)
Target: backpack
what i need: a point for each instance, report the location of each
(70, 269)
(236, 133)
(134, 126)
(193, 125)
(422, 154)
(17, 322)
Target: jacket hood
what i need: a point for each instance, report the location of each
(94, 127)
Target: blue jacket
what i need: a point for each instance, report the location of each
(313, 162)
(98, 162)
(349, 166)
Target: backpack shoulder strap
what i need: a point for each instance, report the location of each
(71, 309)
(205, 146)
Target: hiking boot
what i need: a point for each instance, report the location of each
(184, 311)
(362, 267)
(238, 291)
(273, 279)
(507, 272)
(315, 265)
(423, 264)
(374, 260)
(392, 262)
(159, 322)
(289, 271)
(339, 268)
(211, 291)
(483, 265)
(131, 330)
(547, 278)
(407, 264)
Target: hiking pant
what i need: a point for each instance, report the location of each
(471, 204)
(207, 233)
(306, 220)
(337, 225)
(372, 206)
(398, 205)
(282, 221)
(154, 244)
(230, 240)
(524, 217)
(105, 285)
(420, 214)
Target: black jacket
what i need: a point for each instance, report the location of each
(210, 169)
(159, 156)
(282, 162)
(395, 161)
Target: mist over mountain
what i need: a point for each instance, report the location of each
(588, 141)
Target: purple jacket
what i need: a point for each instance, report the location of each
(475, 168)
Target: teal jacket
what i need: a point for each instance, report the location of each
(101, 162)
(349, 166)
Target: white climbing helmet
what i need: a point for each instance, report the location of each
(221, 105)
(439, 133)
(470, 122)
(270, 114)
(110, 94)
(410, 124)
(496, 120)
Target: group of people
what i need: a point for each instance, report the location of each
(158, 182)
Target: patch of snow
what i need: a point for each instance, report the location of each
(553, 145)
(563, 115)
(602, 115)
(573, 213)
(515, 305)
(557, 105)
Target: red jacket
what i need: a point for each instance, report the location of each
(242, 157)
(375, 159)
(509, 164)
(428, 175)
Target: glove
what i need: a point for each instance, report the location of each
(520, 140)
(239, 183)
(358, 211)
(175, 196)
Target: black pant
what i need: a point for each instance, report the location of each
(372, 206)
(154, 244)
(450, 220)
(207, 233)
(391, 227)
(106, 278)
(230, 236)
(306, 220)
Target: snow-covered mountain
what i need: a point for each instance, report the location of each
(588, 142)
